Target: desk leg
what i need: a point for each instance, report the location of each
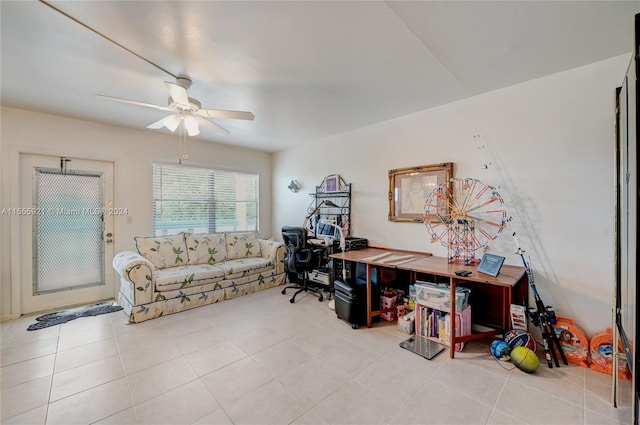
(368, 295)
(506, 308)
(452, 319)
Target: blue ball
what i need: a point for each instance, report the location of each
(500, 350)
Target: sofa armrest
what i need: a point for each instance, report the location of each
(138, 272)
(275, 251)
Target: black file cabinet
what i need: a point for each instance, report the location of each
(351, 302)
(351, 293)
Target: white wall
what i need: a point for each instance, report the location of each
(132, 151)
(550, 144)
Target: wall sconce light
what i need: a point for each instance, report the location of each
(294, 186)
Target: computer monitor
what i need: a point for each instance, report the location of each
(325, 231)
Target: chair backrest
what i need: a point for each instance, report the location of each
(296, 236)
(299, 256)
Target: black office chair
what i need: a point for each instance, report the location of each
(299, 259)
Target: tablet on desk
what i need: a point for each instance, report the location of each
(491, 264)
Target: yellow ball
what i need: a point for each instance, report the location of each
(525, 359)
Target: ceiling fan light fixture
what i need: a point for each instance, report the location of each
(172, 122)
(191, 124)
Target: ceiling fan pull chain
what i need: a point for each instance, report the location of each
(182, 142)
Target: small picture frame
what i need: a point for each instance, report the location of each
(490, 264)
(332, 183)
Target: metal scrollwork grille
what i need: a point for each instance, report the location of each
(68, 226)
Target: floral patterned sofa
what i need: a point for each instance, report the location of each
(173, 273)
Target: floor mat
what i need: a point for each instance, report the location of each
(60, 317)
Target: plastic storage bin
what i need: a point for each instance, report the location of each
(389, 302)
(437, 295)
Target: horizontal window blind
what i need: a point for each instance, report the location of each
(201, 200)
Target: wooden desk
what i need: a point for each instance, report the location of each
(492, 296)
(365, 256)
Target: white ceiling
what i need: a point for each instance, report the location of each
(307, 70)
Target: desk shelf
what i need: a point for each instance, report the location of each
(491, 297)
(332, 200)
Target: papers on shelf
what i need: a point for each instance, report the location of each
(395, 259)
(390, 258)
(377, 257)
(481, 328)
(407, 260)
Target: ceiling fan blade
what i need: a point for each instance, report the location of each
(171, 122)
(191, 124)
(157, 124)
(178, 94)
(221, 113)
(214, 126)
(134, 102)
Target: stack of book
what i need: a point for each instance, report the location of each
(436, 324)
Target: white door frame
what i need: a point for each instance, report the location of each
(15, 228)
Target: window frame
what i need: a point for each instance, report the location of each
(209, 201)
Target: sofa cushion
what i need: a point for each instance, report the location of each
(244, 266)
(206, 249)
(184, 276)
(163, 251)
(242, 245)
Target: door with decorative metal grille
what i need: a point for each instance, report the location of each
(66, 232)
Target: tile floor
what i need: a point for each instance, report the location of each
(260, 360)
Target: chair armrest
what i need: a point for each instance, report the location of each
(318, 253)
(136, 270)
(274, 251)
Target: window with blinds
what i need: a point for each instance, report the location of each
(201, 200)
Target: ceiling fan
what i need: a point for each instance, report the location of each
(186, 110)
